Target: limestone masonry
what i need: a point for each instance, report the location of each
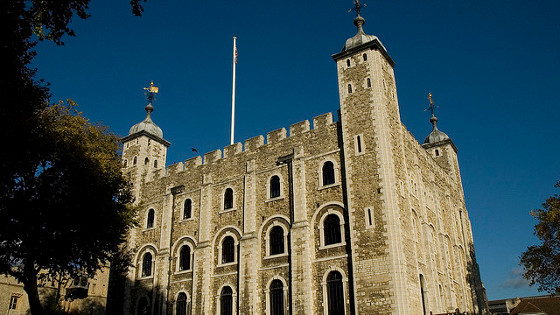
(346, 217)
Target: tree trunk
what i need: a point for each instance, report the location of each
(30, 287)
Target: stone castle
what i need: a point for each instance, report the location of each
(352, 216)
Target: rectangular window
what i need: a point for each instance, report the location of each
(370, 221)
(13, 302)
(359, 144)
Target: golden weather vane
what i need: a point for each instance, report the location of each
(151, 92)
(431, 107)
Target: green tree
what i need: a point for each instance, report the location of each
(69, 213)
(62, 197)
(542, 262)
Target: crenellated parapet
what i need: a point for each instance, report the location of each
(278, 136)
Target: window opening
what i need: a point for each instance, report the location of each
(335, 294)
(228, 250)
(150, 220)
(146, 160)
(423, 294)
(187, 212)
(125, 163)
(437, 152)
(13, 302)
(365, 57)
(134, 161)
(332, 229)
(328, 173)
(185, 258)
(276, 298)
(369, 217)
(359, 143)
(226, 301)
(155, 163)
(368, 82)
(181, 308)
(348, 62)
(274, 186)
(147, 265)
(349, 88)
(276, 240)
(228, 199)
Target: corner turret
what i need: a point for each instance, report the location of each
(144, 149)
(436, 138)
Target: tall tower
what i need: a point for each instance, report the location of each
(144, 149)
(411, 247)
(369, 115)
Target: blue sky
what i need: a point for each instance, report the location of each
(492, 66)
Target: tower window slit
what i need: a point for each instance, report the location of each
(365, 57)
(368, 82)
(348, 62)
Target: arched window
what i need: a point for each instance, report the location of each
(276, 297)
(134, 161)
(147, 265)
(155, 163)
(328, 173)
(335, 294)
(187, 211)
(146, 160)
(349, 88)
(143, 306)
(276, 240)
(228, 250)
(228, 199)
(368, 82)
(125, 164)
(274, 186)
(181, 305)
(185, 258)
(348, 62)
(365, 57)
(226, 301)
(150, 219)
(332, 229)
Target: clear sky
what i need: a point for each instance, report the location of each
(492, 66)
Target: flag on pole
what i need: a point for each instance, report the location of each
(235, 48)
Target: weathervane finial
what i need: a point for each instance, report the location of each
(431, 107)
(151, 92)
(357, 7)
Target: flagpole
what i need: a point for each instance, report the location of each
(233, 90)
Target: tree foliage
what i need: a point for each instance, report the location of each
(62, 194)
(542, 262)
(69, 211)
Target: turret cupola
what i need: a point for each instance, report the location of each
(147, 127)
(361, 41)
(436, 137)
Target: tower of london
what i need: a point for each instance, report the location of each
(344, 214)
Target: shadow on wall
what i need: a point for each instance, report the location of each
(144, 300)
(117, 281)
(473, 277)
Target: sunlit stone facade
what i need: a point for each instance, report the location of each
(339, 216)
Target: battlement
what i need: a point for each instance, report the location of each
(253, 144)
